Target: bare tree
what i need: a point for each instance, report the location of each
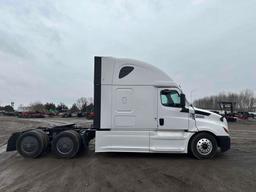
(81, 103)
(7, 108)
(37, 107)
(61, 107)
(74, 108)
(244, 101)
(50, 107)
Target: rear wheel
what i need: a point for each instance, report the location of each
(45, 138)
(66, 144)
(31, 144)
(203, 146)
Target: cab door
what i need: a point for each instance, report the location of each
(173, 121)
(171, 116)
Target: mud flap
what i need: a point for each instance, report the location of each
(11, 145)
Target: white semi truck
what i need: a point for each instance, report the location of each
(138, 108)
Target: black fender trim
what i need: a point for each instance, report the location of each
(198, 112)
(224, 142)
(11, 145)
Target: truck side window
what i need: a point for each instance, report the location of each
(170, 98)
(125, 71)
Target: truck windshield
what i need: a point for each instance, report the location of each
(170, 98)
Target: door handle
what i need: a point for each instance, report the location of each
(161, 121)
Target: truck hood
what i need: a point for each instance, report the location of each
(209, 116)
(206, 112)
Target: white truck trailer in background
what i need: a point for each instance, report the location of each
(138, 108)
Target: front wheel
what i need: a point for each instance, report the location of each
(203, 146)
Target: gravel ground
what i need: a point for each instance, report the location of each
(234, 170)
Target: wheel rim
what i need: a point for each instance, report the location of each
(64, 145)
(29, 144)
(204, 146)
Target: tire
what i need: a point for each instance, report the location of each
(66, 144)
(30, 144)
(85, 142)
(45, 138)
(203, 146)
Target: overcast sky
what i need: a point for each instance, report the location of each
(47, 46)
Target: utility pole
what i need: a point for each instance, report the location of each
(12, 104)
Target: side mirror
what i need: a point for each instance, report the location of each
(182, 100)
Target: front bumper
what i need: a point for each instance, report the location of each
(224, 143)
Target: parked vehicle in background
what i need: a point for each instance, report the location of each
(228, 108)
(31, 115)
(242, 115)
(90, 115)
(252, 115)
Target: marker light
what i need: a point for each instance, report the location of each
(226, 130)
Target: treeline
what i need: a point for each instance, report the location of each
(81, 105)
(7, 108)
(244, 101)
